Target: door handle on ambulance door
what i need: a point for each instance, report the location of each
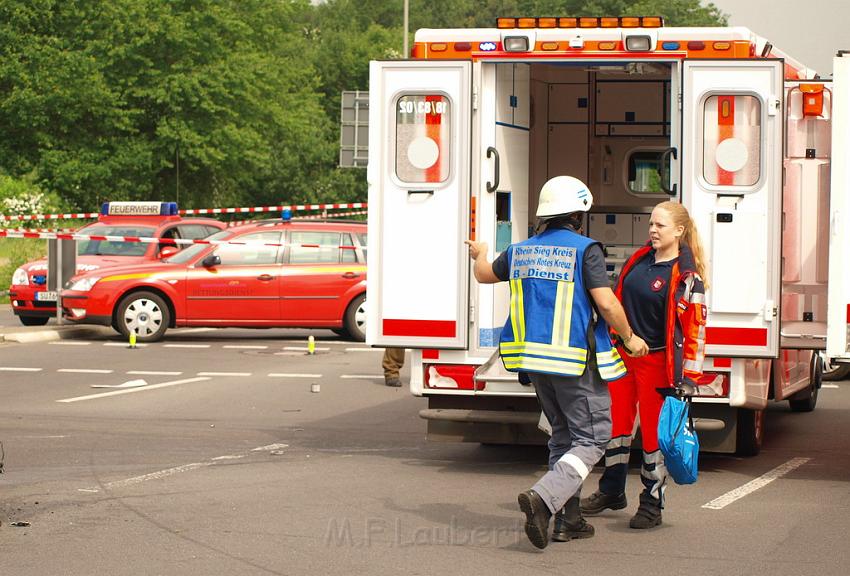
(265, 277)
(492, 187)
(667, 156)
(350, 275)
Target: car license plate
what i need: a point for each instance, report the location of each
(46, 296)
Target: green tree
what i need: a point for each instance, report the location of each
(102, 100)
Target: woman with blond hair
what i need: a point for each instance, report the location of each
(663, 293)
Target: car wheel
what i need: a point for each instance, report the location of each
(33, 320)
(806, 400)
(750, 431)
(144, 313)
(355, 319)
(834, 371)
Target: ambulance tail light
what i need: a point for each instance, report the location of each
(451, 377)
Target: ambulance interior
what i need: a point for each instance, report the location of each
(615, 126)
(608, 125)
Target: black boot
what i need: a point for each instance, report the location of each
(648, 514)
(537, 517)
(569, 523)
(600, 501)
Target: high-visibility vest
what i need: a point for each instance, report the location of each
(551, 310)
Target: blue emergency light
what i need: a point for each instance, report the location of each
(139, 209)
(286, 215)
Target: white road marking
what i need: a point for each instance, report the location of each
(128, 384)
(156, 475)
(224, 373)
(196, 330)
(270, 447)
(152, 373)
(186, 345)
(131, 390)
(123, 344)
(228, 457)
(235, 347)
(304, 349)
(753, 485)
(284, 375)
(69, 343)
(17, 369)
(361, 376)
(364, 349)
(829, 386)
(84, 371)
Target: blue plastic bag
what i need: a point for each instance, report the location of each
(678, 440)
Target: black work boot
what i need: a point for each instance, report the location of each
(600, 501)
(569, 523)
(537, 517)
(648, 514)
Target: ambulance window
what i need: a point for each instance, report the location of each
(314, 247)
(644, 172)
(252, 254)
(731, 140)
(423, 138)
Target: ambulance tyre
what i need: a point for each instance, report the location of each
(33, 320)
(834, 372)
(144, 313)
(355, 319)
(750, 431)
(806, 400)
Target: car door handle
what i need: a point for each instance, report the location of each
(265, 277)
(351, 275)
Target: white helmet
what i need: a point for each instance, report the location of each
(563, 195)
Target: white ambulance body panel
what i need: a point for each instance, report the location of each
(732, 187)
(418, 202)
(838, 342)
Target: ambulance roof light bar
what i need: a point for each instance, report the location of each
(582, 22)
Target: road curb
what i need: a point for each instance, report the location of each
(46, 335)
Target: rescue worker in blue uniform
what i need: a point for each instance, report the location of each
(558, 284)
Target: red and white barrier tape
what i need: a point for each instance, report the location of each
(191, 212)
(145, 240)
(233, 223)
(49, 230)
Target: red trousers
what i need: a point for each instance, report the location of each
(637, 389)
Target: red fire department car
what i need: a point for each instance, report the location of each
(280, 273)
(34, 305)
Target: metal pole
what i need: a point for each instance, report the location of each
(177, 157)
(405, 54)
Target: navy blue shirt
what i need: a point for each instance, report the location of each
(645, 290)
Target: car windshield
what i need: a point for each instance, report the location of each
(192, 251)
(114, 248)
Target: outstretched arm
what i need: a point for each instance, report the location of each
(482, 268)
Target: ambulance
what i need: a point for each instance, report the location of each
(464, 134)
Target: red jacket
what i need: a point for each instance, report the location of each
(686, 317)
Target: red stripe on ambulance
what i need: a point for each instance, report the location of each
(736, 336)
(435, 328)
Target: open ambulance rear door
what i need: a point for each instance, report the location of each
(419, 183)
(838, 341)
(732, 186)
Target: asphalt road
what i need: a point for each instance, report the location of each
(227, 463)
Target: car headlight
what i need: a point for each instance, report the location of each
(84, 284)
(20, 277)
